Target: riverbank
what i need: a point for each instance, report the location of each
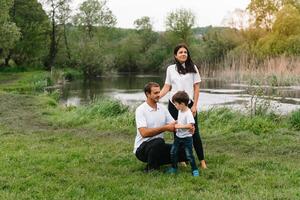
(49, 151)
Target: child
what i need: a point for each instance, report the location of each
(185, 123)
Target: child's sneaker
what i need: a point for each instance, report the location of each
(171, 170)
(195, 172)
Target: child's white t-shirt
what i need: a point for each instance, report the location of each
(185, 117)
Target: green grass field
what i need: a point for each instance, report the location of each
(51, 152)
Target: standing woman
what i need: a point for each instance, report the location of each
(184, 76)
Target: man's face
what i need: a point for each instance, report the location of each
(154, 95)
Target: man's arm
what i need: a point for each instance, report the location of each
(149, 132)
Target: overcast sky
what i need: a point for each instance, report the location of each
(208, 12)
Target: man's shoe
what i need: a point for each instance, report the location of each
(149, 169)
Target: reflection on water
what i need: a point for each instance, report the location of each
(129, 89)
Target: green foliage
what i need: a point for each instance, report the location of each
(180, 23)
(94, 13)
(106, 108)
(143, 23)
(225, 121)
(129, 54)
(9, 32)
(263, 12)
(217, 42)
(295, 120)
(101, 113)
(33, 22)
(287, 21)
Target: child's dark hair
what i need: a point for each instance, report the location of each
(181, 97)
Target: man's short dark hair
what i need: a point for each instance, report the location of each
(181, 97)
(148, 86)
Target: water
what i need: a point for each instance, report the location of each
(213, 92)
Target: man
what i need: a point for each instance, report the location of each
(152, 120)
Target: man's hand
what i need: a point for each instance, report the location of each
(170, 127)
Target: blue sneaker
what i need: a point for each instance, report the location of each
(195, 172)
(171, 170)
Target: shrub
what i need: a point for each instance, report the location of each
(295, 120)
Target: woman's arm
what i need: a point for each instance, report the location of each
(196, 97)
(164, 90)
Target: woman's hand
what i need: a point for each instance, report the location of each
(194, 110)
(164, 91)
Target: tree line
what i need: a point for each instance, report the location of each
(49, 33)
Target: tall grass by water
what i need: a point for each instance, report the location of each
(279, 71)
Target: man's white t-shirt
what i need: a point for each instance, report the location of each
(181, 82)
(148, 117)
(185, 117)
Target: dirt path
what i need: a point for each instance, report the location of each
(22, 113)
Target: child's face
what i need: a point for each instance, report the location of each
(180, 106)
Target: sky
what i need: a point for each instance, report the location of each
(207, 12)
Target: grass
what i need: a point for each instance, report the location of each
(47, 152)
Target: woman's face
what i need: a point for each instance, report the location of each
(181, 55)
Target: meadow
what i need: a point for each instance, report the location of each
(48, 151)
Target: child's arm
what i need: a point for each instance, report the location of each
(185, 126)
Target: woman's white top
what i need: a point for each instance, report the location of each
(181, 82)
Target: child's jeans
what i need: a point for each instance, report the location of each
(187, 142)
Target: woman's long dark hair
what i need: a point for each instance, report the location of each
(189, 65)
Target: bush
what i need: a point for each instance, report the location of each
(295, 120)
(106, 108)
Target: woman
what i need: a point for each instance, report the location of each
(184, 75)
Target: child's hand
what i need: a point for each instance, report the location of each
(176, 126)
(192, 130)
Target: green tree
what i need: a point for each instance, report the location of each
(179, 24)
(129, 56)
(94, 13)
(64, 16)
(146, 34)
(34, 26)
(287, 21)
(263, 12)
(9, 32)
(143, 23)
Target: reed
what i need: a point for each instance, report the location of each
(275, 71)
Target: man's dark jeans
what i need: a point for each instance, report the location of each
(156, 153)
(187, 143)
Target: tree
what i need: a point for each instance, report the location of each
(143, 23)
(287, 21)
(64, 15)
(180, 23)
(94, 13)
(9, 32)
(263, 12)
(145, 32)
(34, 26)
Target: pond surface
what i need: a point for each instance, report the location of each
(213, 92)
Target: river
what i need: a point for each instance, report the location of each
(213, 93)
